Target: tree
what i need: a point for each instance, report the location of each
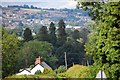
(53, 37)
(33, 49)
(75, 34)
(27, 35)
(74, 51)
(43, 34)
(106, 42)
(62, 36)
(10, 48)
(84, 34)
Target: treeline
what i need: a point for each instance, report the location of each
(49, 43)
(24, 6)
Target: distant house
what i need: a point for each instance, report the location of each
(39, 66)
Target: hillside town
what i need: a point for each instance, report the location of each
(77, 40)
(17, 17)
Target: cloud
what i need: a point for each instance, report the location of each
(44, 3)
(69, 4)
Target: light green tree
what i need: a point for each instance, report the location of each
(104, 41)
(10, 49)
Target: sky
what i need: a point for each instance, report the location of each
(71, 4)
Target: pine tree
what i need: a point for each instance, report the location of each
(75, 34)
(53, 37)
(27, 35)
(62, 36)
(43, 34)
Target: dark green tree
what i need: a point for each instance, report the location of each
(43, 34)
(52, 30)
(27, 35)
(62, 35)
(75, 35)
(33, 49)
(74, 51)
(83, 34)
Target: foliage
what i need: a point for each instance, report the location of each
(62, 35)
(46, 71)
(53, 38)
(89, 72)
(60, 69)
(104, 45)
(62, 75)
(74, 51)
(38, 72)
(31, 66)
(22, 77)
(10, 48)
(83, 34)
(43, 34)
(75, 34)
(27, 35)
(33, 49)
(73, 72)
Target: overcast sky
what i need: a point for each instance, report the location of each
(43, 3)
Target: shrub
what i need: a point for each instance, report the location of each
(89, 72)
(62, 75)
(46, 71)
(38, 72)
(60, 69)
(31, 66)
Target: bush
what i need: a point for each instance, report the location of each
(89, 72)
(31, 66)
(38, 72)
(46, 71)
(60, 69)
(62, 75)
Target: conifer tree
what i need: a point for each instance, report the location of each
(75, 34)
(62, 36)
(27, 35)
(43, 34)
(53, 37)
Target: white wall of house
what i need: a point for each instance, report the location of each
(37, 67)
(32, 72)
(24, 72)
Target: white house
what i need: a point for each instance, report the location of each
(24, 72)
(36, 68)
(32, 71)
(39, 66)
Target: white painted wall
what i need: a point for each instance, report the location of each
(24, 72)
(37, 67)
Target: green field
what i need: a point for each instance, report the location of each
(32, 10)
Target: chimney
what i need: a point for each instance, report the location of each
(38, 60)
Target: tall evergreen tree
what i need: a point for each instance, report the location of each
(27, 35)
(43, 34)
(62, 35)
(75, 34)
(53, 37)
